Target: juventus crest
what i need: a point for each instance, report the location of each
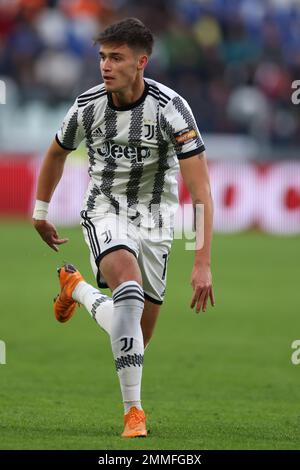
(150, 130)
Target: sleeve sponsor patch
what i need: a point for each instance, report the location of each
(185, 136)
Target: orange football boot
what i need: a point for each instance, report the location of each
(64, 304)
(135, 423)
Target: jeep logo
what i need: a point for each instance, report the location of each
(136, 154)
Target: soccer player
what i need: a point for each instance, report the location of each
(138, 133)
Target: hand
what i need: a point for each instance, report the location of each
(202, 285)
(48, 233)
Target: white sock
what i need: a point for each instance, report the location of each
(127, 340)
(129, 404)
(99, 306)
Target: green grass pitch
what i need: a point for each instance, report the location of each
(219, 380)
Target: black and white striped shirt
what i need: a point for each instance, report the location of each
(133, 150)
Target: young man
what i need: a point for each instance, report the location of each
(136, 131)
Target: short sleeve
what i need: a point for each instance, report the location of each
(179, 126)
(70, 133)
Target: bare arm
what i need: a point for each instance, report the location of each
(195, 176)
(50, 175)
(51, 171)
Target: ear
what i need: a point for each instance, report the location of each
(142, 62)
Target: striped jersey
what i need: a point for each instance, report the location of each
(133, 150)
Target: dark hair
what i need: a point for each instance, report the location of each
(129, 31)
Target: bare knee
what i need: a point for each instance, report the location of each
(120, 266)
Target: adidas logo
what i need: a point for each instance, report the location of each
(97, 132)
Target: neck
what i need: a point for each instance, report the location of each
(129, 95)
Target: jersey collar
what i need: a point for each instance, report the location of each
(131, 105)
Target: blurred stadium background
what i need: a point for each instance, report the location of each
(225, 379)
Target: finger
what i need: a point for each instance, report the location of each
(200, 300)
(52, 242)
(52, 246)
(195, 297)
(193, 302)
(55, 241)
(212, 297)
(59, 241)
(205, 301)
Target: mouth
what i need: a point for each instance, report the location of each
(107, 78)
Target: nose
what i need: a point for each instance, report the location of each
(106, 65)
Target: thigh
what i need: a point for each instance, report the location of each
(153, 260)
(108, 235)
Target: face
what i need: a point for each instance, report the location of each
(120, 66)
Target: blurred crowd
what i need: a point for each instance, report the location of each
(233, 60)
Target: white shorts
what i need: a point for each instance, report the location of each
(110, 232)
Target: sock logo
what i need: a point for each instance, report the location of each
(127, 347)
